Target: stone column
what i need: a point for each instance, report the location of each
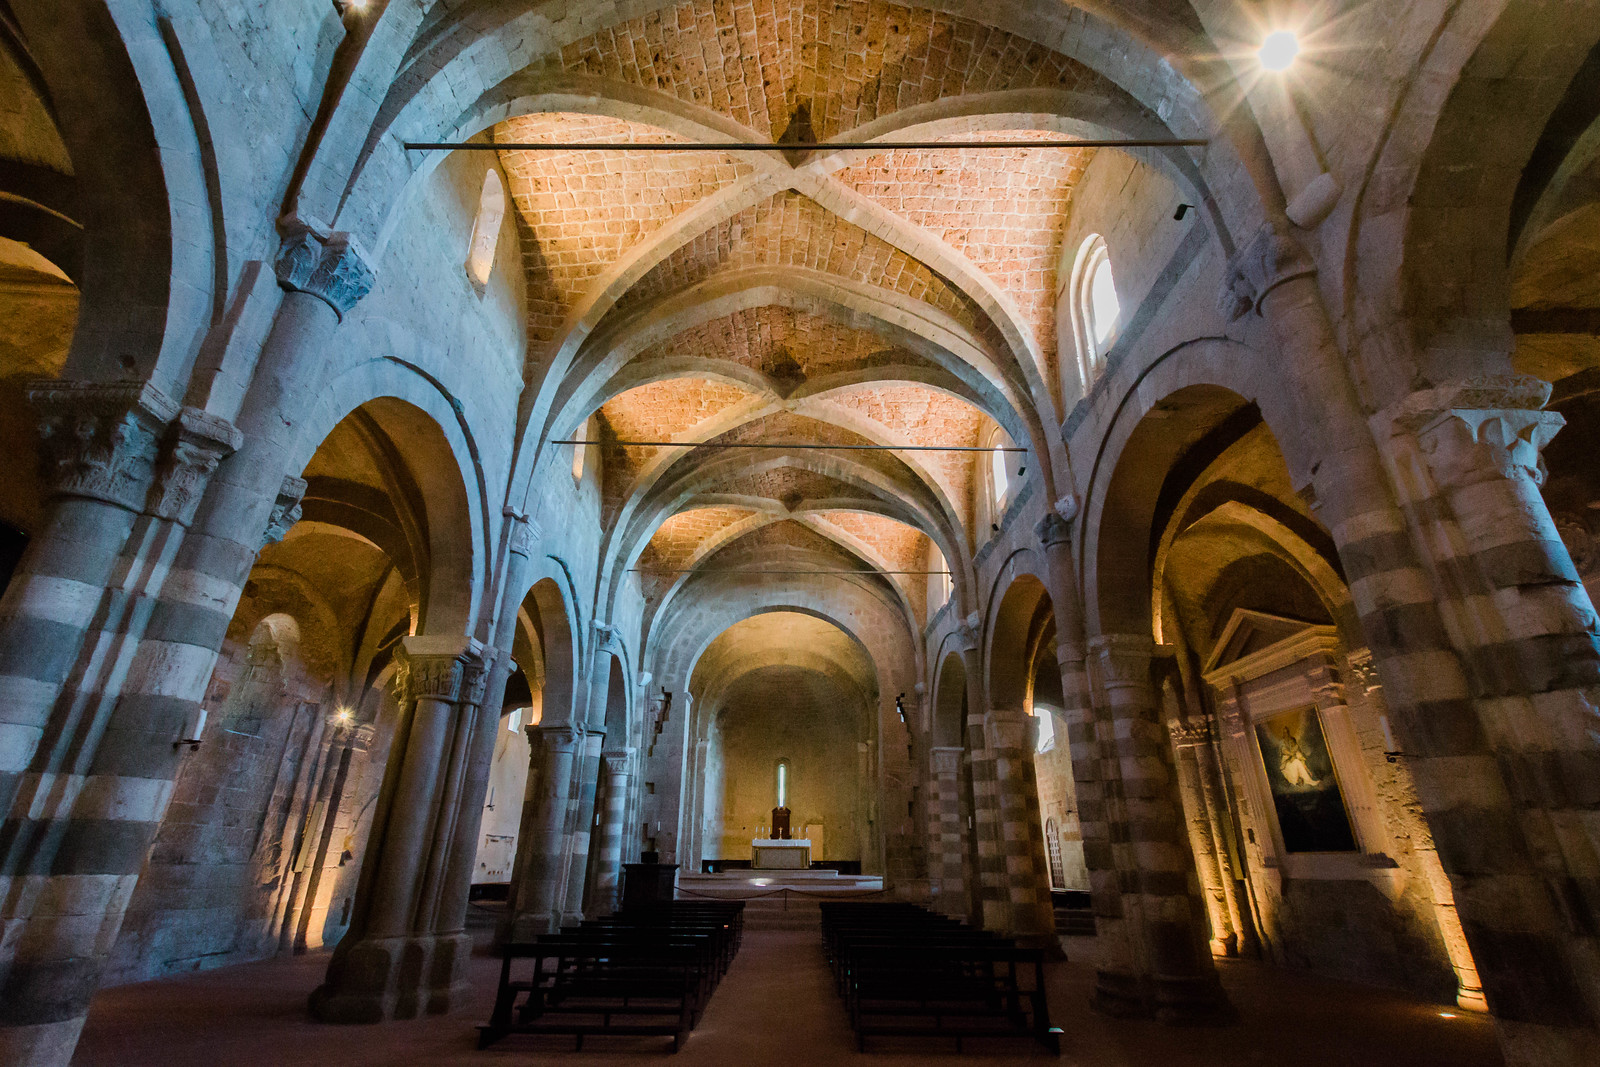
(87, 744)
(695, 819)
(539, 878)
(1189, 742)
(1432, 584)
(350, 741)
(1165, 967)
(616, 770)
(521, 533)
(948, 860)
(1013, 890)
(395, 962)
(580, 828)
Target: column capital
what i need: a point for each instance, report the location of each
(199, 441)
(440, 668)
(101, 441)
(1124, 658)
(1498, 418)
(285, 510)
(607, 637)
(945, 759)
(969, 633)
(524, 531)
(1188, 733)
(331, 266)
(1053, 530)
(1271, 258)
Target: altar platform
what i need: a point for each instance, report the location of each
(745, 883)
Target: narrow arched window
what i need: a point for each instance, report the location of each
(486, 230)
(999, 474)
(1052, 844)
(783, 783)
(579, 451)
(1094, 307)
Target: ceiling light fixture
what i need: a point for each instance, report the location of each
(1278, 50)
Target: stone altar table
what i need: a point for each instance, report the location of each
(771, 854)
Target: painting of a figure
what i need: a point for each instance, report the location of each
(1305, 791)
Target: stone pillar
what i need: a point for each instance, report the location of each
(87, 743)
(349, 741)
(616, 770)
(1013, 887)
(948, 848)
(520, 533)
(539, 878)
(1165, 967)
(396, 962)
(696, 817)
(1189, 742)
(580, 828)
(1433, 584)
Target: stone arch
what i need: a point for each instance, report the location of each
(1446, 289)
(547, 624)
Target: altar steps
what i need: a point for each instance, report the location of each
(780, 900)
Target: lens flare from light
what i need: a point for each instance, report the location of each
(1278, 50)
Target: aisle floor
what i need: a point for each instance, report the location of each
(776, 1006)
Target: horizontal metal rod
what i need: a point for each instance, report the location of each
(803, 445)
(739, 570)
(824, 146)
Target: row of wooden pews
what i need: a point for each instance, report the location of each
(906, 971)
(647, 970)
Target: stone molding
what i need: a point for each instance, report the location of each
(1271, 258)
(100, 441)
(329, 266)
(968, 633)
(608, 638)
(1500, 418)
(285, 510)
(200, 441)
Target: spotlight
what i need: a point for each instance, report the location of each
(1183, 209)
(1278, 50)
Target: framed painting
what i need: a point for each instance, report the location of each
(1310, 806)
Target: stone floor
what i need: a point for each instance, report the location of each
(776, 1006)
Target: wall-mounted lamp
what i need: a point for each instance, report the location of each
(192, 729)
(900, 706)
(1278, 50)
(1183, 209)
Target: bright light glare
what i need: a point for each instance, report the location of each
(1447, 1015)
(1279, 50)
(761, 881)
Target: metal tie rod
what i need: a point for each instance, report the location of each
(824, 146)
(739, 570)
(802, 445)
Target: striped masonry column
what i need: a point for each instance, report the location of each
(948, 844)
(538, 881)
(86, 769)
(1009, 736)
(616, 771)
(1520, 931)
(394, 962)
(346, 740)
(1094, 759)
(990, 897)
(1169, 970)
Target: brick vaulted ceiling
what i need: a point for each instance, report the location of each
(803, 255)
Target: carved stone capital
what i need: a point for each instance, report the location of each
(1053, 530)
(1123, 659)
(968, 634)
(199, 441)
(1478, 426)
(100, 441)
(1270, 259)
(945, 761)
(524, 532)
(1363, 672)
(1187, 733)
(329, 266)
(607, 637)
(285, 510)
(440, 668)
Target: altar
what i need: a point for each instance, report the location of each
(775, 854)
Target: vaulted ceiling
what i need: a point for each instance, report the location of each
(863, 298)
